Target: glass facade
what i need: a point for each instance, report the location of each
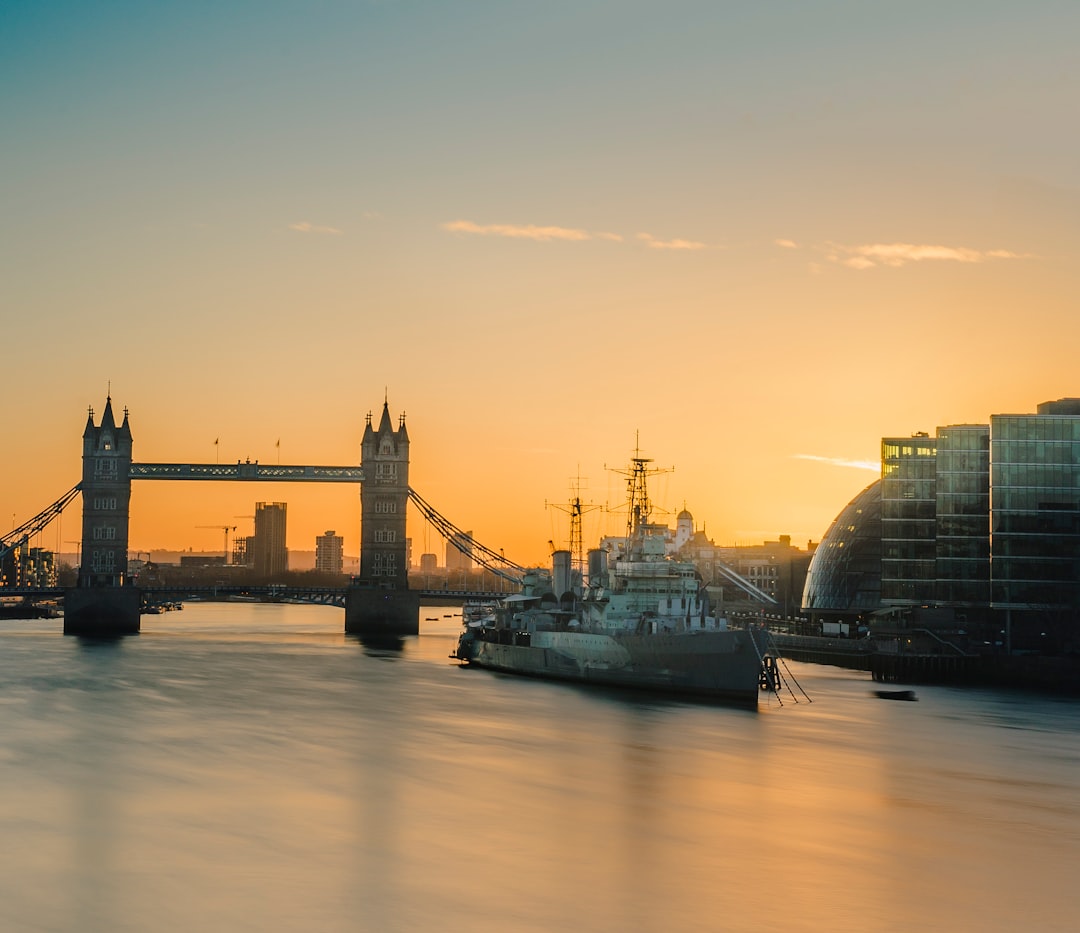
(845, 572)
(981, 522)
(908, 520)
(1035, 511)
(963, 515)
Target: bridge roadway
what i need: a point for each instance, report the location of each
(329, 596)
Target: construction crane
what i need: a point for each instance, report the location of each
(226, 529)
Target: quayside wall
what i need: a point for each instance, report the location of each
(1054, 675)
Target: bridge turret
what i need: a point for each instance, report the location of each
(102, 604)
(106, 494)
(379, 603)
(384, 498)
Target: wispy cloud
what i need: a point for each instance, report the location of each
(870, 255)
(873, 465)
(786, 244)
(306, 227)
(571, 234)
(522, 231)
(654, 243)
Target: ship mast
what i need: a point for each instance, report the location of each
(639, 507)
(576, 509)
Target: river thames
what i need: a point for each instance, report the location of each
(249, 767)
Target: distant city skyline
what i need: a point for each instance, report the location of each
(759, 238)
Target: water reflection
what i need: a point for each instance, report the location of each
(380, 645)
(247, 767)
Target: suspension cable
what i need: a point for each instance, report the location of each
(489, 559)
(32, 526)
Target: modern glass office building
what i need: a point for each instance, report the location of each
(908, 504)
(979, 526)
(962, 516)
(1035, 509)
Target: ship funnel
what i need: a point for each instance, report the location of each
(560, 566)
(597, 567)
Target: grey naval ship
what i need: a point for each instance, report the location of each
(641, 619)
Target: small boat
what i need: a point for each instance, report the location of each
(895, 695)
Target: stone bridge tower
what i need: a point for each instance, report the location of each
(106, 495)
(379, 601)
(101, 603)
(384, 499)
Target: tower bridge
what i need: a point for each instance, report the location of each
(378, 602)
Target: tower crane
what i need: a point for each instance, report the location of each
(226, 529)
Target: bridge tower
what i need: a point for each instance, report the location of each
(101, 604)
(379, 602)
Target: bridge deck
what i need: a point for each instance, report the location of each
(248, 472)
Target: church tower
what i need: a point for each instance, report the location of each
(106, 497)
(384, 499)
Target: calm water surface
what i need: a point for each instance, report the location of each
(248, 767)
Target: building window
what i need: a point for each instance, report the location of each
(386, 471)
(385, 507)
(384, 565)
(385, 536)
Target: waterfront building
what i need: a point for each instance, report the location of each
(270, 555)
(11, 567)
(975, 531)
(1035, 521)
(777, 568)
(843, 581)
(429, 563)
(330, 552)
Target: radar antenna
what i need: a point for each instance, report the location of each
(638, 505)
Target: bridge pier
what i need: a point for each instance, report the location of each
(378, 612)
(102, 611)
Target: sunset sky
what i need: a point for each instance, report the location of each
(757, 236)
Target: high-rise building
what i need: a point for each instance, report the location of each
(329, 552)
(459, 551)
(907, 518)
(1035, 510)
(270, 556)
(979, 528)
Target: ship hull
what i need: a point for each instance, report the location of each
(716, 665)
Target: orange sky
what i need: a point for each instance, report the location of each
(754, 236)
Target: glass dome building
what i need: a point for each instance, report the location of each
(844, 578)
